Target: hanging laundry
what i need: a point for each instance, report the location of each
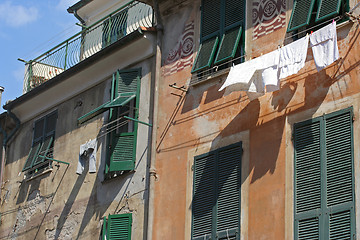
(87, 154)
(293, 56)
(324, 46)
(240, 74)
(255, 74)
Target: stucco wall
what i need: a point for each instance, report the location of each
(204, 119)
(61, 204)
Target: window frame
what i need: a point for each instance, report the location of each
(219, 35)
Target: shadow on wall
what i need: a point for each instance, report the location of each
(266, 137)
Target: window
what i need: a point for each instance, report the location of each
(123, 123)
(222, 28)
(217, 194)
(114, 28)
(307, 13)
(324, 177)
(43, 142)
(117, 227)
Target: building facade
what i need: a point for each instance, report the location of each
(131, 130)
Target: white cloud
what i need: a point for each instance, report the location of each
(65, 4)
(17, 15)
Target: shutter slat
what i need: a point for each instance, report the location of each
(308, 229)
(340, 225)
(128, 81)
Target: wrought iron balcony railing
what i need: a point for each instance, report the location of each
(89, 41)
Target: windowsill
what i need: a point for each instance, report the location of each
(195, 80)
(343, 24)
(115, 175)
(36, 175)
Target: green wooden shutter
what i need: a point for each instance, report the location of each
(210, 17)
(301, 14)
(32, 155)
(324, 177)
(123, 144)
(229, 192)
(307, 179)
(234, 13)
(228, 45)
(217, 194)
(204, 196)
(44, 150)
(206, 54)
(119, 227)
(328, 9)
(339, 175)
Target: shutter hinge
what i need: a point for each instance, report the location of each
(353, 118)
(192, 167)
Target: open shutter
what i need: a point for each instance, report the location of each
(204, 201)
(123, 147)
(119, 227)
(328, 9)
(229, 192)
(44, 150)
(228, 45)
(339, 176)
(301, 14)
(307, 179)
(206, 54)
(32, 155)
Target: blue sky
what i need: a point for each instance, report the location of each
(29, 28)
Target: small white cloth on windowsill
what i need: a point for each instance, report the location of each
(87, 154)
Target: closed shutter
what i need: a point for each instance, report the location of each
(210, 17)
(307, 179)
(204, 196)
(216, 197)
(229, 198)
(119, 227)
(123, 143)
(339, 175)
(301, 14)
(324, 182)
(328, 9)
(234, 13)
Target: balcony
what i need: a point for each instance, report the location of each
(87, 42)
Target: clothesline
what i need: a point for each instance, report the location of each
(208, 72)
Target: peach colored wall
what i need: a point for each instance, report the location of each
(205, 117)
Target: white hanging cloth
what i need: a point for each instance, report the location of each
(293, 56)
(324, 46)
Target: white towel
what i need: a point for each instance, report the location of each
(293, 56)
(324, 46)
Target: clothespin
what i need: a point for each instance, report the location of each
(333, 21)
(311, 32)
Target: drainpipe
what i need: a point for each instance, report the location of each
(155, 89)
